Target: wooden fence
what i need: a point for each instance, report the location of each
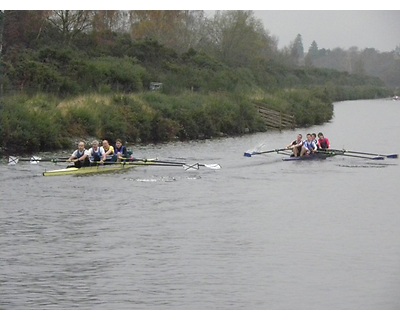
(276, 119)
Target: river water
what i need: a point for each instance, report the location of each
(260, 233)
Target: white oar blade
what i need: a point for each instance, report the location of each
(193, 167)
(213, 166)
(12, 160)
(35, 159)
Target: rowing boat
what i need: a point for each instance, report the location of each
(87, 170)
(114, 167)
(312, 156)
(96, 169)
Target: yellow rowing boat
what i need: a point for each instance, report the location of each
(96, 169)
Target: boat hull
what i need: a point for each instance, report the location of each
(97, 169)
(87, 170)
(313, 156)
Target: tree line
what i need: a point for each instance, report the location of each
(65, 51)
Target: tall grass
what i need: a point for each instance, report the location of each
(45, 122)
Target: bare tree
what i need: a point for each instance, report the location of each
(71, 22)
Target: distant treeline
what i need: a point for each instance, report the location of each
(76, 74)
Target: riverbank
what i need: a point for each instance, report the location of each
(45, 122)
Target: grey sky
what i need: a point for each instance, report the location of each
(335, 28)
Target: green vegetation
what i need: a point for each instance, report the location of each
(59, 86)
(36, 123)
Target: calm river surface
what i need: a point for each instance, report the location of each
(260, 233)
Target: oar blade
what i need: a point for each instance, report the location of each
(197, 166)
(213, 166)
(12, 160)
(191, 167)
(392, 156)
(378, 158)
(35, 159)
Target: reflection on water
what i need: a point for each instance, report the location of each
(260, 233)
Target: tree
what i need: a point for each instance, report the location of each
(179, 30)
(238, 38)
(118, 21)
(397, 52)
(22, 28)
(311, 55)
(70, 23)
(297, 51)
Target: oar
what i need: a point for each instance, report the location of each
(390, 156)
(35, 159)
(150, 164)
(248, 154)
(361, 157)
(186, 166)
(137, 162)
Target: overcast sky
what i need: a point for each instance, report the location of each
(335, 28)
(378, 26)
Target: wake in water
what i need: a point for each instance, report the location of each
(163, 179)
(367, 165)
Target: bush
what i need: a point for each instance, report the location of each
(27, 127)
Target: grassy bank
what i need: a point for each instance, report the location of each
(45, 122)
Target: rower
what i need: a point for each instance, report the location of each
(309, 146)
(314, 137)
(79, 157)
(96, 153)
(120, 151)
(108, 152)
(296, 145)
(323, 142)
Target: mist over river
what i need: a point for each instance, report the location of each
(260, 233)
